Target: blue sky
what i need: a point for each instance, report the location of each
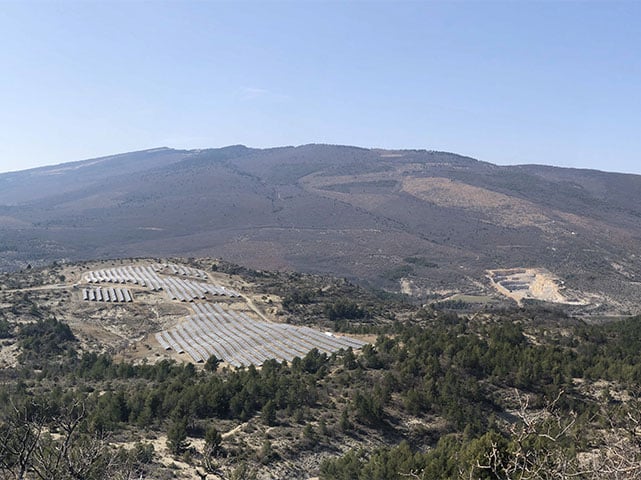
(506, 82)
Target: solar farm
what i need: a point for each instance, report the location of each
(233, 335)
(154, 278)
(238, 339)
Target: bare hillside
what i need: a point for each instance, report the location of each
(434, 222)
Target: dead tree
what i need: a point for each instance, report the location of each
(53, 447)
(21, 430)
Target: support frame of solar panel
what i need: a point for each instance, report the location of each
(172, 341)
(161, 340)
(270, 339)
(270, 334)
(302, 341)
(231, 338)
(192, 345)
(213, 342)
(184, 344)
(302, 348)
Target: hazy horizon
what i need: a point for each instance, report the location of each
(283, 146)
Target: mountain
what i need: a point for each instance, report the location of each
(432, 224)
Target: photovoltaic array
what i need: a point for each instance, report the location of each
(176, 288)
(239, 339)
(213, 329)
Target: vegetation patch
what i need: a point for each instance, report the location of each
(434, 394)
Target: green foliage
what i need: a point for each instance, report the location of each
(383, 464)
(314, 361)
(142, 453)
(322, 428)
(266, 453)
(212, 363)
(345, 423)
(451, 305)
(268, 413)
(420, 261)
(344, 309)
(213, 441)
(310, 436)
(45, 338)
(50, 440)
(370, 406)
(349, 359)
(243, 472)
(6, 329)
(347, 467)
(397, 273)
(370, 357)
(447, 460)
(177, 436)
(297, 297)
(440, 367)
(34, 311)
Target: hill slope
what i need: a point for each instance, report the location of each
(430, 223)
(429, 395)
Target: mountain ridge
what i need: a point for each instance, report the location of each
(351, 211)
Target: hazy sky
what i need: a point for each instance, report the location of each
(505, 82)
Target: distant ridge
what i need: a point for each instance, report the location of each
(425, 222)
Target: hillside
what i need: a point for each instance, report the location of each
(430, 224)
(88, 391)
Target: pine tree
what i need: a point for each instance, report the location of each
(177, 436)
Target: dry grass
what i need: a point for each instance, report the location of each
(503, 209)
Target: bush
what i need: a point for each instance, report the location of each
(211, 364)
(297, 297)
(344, 309)
(45, 338)
(177, 436)
(5, 328)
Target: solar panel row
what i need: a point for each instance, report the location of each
(239, 339)
(121, 295)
